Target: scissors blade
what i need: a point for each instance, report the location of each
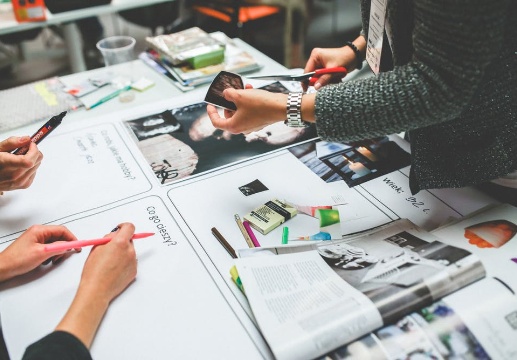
(275, 77)
(302, 77)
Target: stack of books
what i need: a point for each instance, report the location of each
(196, 63)
(193, 46)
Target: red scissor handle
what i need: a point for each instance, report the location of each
(333, 70)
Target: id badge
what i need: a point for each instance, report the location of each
(376, 34)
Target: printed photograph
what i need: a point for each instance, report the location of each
(490, 234)
(223, 81)
(182, 142)
(253, 187)
(355, 163)
(434, 332)
(398, 266)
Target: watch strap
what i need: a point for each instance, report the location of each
(294, 110)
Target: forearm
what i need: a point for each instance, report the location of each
(308, 107)
(84, 315)
(5, 271)
(360, 44)
(435, 86)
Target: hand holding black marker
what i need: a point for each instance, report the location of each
(43, 131)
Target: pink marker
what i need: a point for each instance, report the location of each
(69, 245)
(247, 226)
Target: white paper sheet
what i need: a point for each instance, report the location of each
(81, 170)
(171, 308)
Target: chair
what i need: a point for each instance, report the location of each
(237, 13)
(165, 15)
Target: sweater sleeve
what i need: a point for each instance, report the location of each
(57, 345)
(453, 42)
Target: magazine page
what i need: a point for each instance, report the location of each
(399, 268)
(296, 298)
(491, 235)
(456, 327)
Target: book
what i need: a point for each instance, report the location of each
(186, 77)
(335, 298)
(193, 46)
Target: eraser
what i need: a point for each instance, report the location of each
(203, 60)
(142, 84)
(270, 215)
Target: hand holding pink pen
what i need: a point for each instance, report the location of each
(70, 245)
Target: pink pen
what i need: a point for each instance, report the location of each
(69, 245)
(247, 226)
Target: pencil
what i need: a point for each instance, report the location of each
(109, 97)
(244, 232)
(224, 243)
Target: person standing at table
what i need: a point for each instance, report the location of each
(446, 74)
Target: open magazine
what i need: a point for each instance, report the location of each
(477, 322)
(398, 300)
(315, 298)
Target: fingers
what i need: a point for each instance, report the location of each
(124, 233)
(50, 233)
(18, 171)
(13, 143)
(54, 233)
(28, 161)
(214, 116)
(323, 80)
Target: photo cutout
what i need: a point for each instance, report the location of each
(355, 162)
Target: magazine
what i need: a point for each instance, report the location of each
(314, 298)
(184, 45)
(186, 77)
(469, 324)
(479, 321)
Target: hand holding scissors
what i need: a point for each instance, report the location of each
(311, 77)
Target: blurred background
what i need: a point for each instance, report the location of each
(41, 53)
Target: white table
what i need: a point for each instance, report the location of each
(163, 90)
(179, 329)
(8, 24)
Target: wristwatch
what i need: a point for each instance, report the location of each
(294, 111)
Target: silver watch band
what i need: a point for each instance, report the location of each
(294, 110)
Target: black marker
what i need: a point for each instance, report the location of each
(42, 133)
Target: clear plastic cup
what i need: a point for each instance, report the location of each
(117, 49)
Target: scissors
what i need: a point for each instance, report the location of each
(312, 76)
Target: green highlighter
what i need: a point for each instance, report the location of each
(203, 60)
(285, 235)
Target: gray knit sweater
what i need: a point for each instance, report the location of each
(452, 87)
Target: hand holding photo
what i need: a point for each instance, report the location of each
(222, 81)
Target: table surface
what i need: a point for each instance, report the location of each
(98, 177)
(163, 89)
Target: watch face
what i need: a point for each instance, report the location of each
(222, 81)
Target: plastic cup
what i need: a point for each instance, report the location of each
(117, 49)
